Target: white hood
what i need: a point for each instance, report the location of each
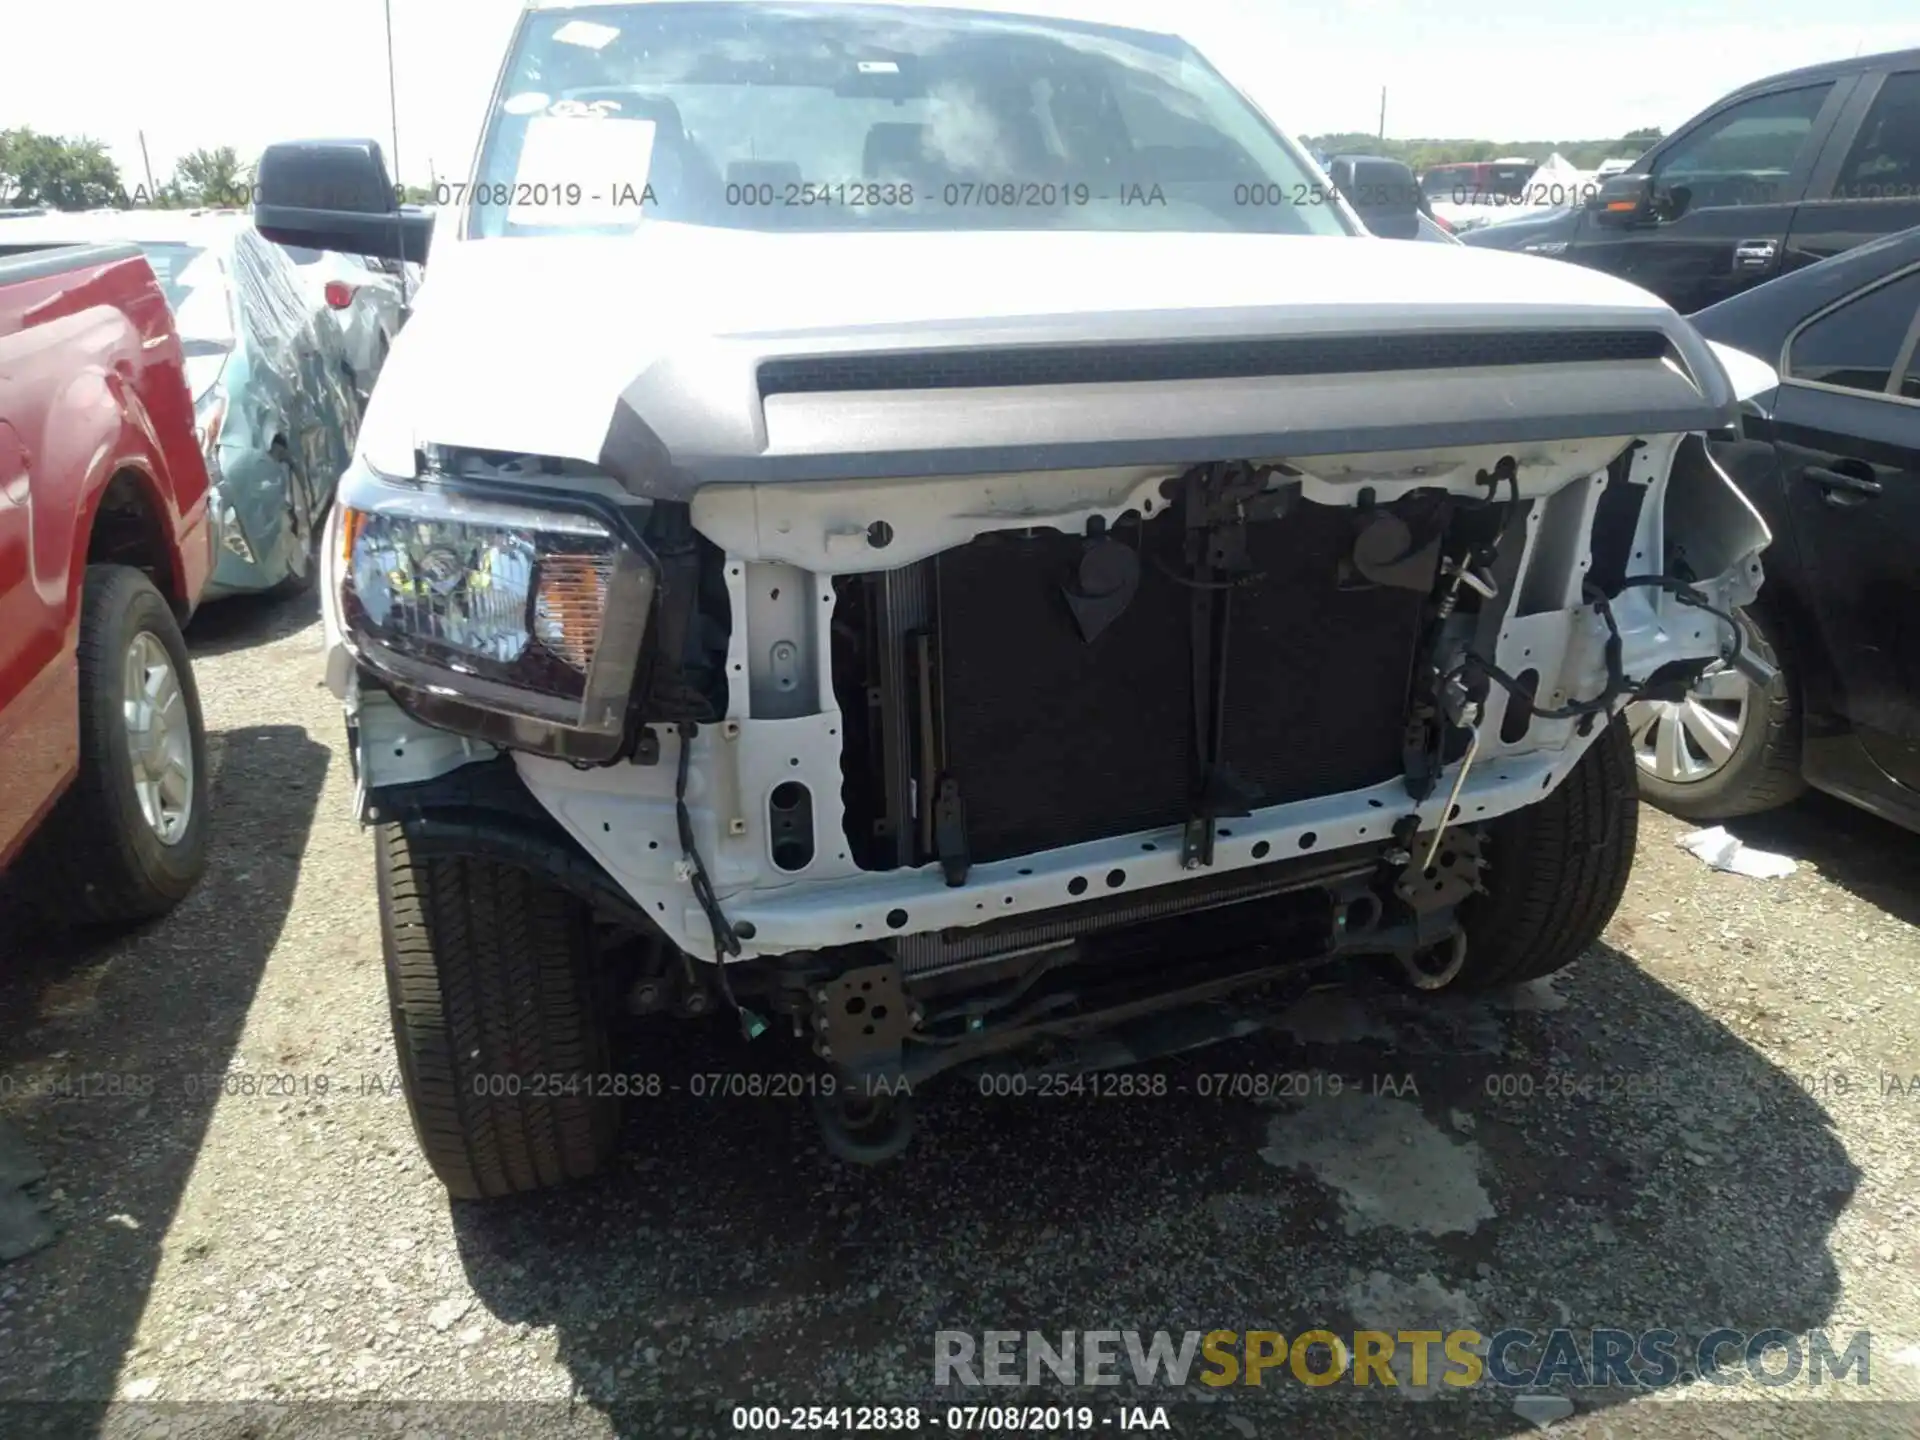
(524, 344)
(1750, 376)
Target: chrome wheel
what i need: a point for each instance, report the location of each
(1689, 740)
(159, 738)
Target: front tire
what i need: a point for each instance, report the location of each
(503, 1046)
(1556, 871)
(129, 839)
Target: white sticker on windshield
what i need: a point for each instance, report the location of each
(879, 67)
(585, 32)
(527, 102)
(581, 171)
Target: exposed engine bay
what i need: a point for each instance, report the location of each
(1110, 745)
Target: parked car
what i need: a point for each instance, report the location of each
(1466, 181)
(104, 551)
(1379, 190)
(1831, 458)
(1385, 195)
(1777, 176)
(927, 673)
(1547, 232)
(1470, 197)
(366, 297)
(273, 389)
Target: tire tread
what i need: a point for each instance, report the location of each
(489, 974)
(84, 867)
(1557, 870)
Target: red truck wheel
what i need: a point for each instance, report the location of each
(129, 839)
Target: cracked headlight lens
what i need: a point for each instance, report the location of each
(478, 607)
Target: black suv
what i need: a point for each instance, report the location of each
(1779, 174)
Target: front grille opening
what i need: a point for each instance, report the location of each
(973, 668)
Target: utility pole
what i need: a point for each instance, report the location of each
(1383, 112)
(153, 195)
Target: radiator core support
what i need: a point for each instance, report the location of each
(1035, 689)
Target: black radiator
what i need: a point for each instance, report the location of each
(1055, 740)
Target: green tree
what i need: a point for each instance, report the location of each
(56, 171)
(1423, 154)
(164, 196)
(214, 178)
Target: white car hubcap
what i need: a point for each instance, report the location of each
(159, 738)
(1686, 741)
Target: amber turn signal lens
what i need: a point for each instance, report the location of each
(352, 522)
(569, 605)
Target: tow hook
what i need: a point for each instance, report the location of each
(1435, 967)
(862, 1124)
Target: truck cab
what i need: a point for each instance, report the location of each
(1778, 175)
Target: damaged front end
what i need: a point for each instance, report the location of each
(940, 761)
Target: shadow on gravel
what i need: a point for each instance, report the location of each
(241, 622)
(1592, 1152)
(104, 1043)
(1873, 858)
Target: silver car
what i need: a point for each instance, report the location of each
(366, 298)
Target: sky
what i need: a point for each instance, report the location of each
(196, 73)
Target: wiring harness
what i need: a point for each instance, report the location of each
(1617, 686)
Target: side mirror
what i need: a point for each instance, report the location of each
(1384, 193)
(336, 195)
(1623, 200)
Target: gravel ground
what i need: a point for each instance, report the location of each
(1689, 1129)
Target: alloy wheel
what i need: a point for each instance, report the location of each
(1686, 741)
(159, 738)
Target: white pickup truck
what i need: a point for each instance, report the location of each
(937, 532)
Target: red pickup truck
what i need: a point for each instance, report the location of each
(105, 545)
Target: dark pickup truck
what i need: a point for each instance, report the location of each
(1778, 175)
(104, 550)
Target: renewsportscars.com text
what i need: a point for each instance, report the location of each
(1518, 1359)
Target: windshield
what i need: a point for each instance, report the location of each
(761, 116)
(171, 266)
(195, 285)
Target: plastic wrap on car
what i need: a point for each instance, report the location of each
(288, 380)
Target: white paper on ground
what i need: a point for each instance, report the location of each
(609, 158)
(1723, 852)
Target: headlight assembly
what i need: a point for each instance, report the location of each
(511, 621)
